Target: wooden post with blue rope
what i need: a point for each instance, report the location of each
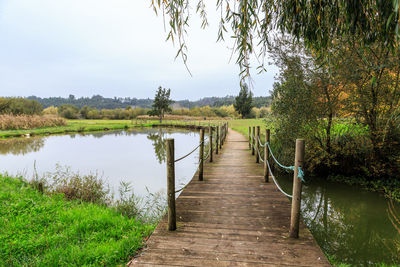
(296, 200)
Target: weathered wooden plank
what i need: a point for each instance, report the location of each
(231, 218)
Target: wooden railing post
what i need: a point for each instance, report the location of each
(211, 144)
(223, 134)
(296, 200)
(252, 140)
(266, 155)
(217, 140)
(249, 137)
(220, 135)
(171, 184)
(201, 154)
(258, 144)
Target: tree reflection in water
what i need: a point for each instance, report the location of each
(21, 146)
(159, 145)
(352, 225)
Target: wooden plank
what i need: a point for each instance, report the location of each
(231, 218)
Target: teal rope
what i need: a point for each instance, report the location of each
(300, 172)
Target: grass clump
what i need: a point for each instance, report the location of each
(74, 186)
(39, 229)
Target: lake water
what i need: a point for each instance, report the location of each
(350, 224)
(136, 156)
(355, 226)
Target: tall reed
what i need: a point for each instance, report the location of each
(25, 122)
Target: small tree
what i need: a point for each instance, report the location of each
(161, 103)
(244, 101)
(68, 111)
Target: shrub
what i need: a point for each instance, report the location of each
(87, 188)
(52, 110)
(20, 106)
(68, 111)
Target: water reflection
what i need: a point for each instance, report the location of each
(352, 225)
(136, 156)
(21, 146)
(158, 144)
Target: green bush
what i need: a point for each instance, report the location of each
(68, 111)
(20, 106)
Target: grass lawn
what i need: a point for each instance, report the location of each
(46, 230)
(242, 125)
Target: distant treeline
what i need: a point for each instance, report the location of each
(72, 112)
(23, 106)
(100, 102)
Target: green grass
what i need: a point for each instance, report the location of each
(95, 125)
(47, 230)
(242, 126)
(78, 126)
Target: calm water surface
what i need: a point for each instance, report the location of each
(350, 224)
(353, 225)
(135, 156)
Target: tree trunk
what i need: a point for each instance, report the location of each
(328, 134)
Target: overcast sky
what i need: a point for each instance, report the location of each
(112, 48)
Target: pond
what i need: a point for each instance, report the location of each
(136, 156)
(350, 224)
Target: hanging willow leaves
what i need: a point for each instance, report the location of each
(316, 22)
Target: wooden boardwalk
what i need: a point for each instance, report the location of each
(232, 218)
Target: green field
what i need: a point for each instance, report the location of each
(47, 230)
(242, 126)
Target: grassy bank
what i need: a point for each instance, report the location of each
(96, 125)
(76, 126)
(47, 230)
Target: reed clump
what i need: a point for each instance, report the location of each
(26, 122)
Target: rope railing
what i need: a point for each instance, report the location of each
(259, 142)
(198, 166)
(188, 154)
(276, 183)
(300, 173)
(259, 156)
(256, 146)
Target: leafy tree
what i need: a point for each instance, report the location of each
(307, 97)
(19, 106)
(161, 103)
(84, 112)
(243, 102)
(373, 75)
(68, 111)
